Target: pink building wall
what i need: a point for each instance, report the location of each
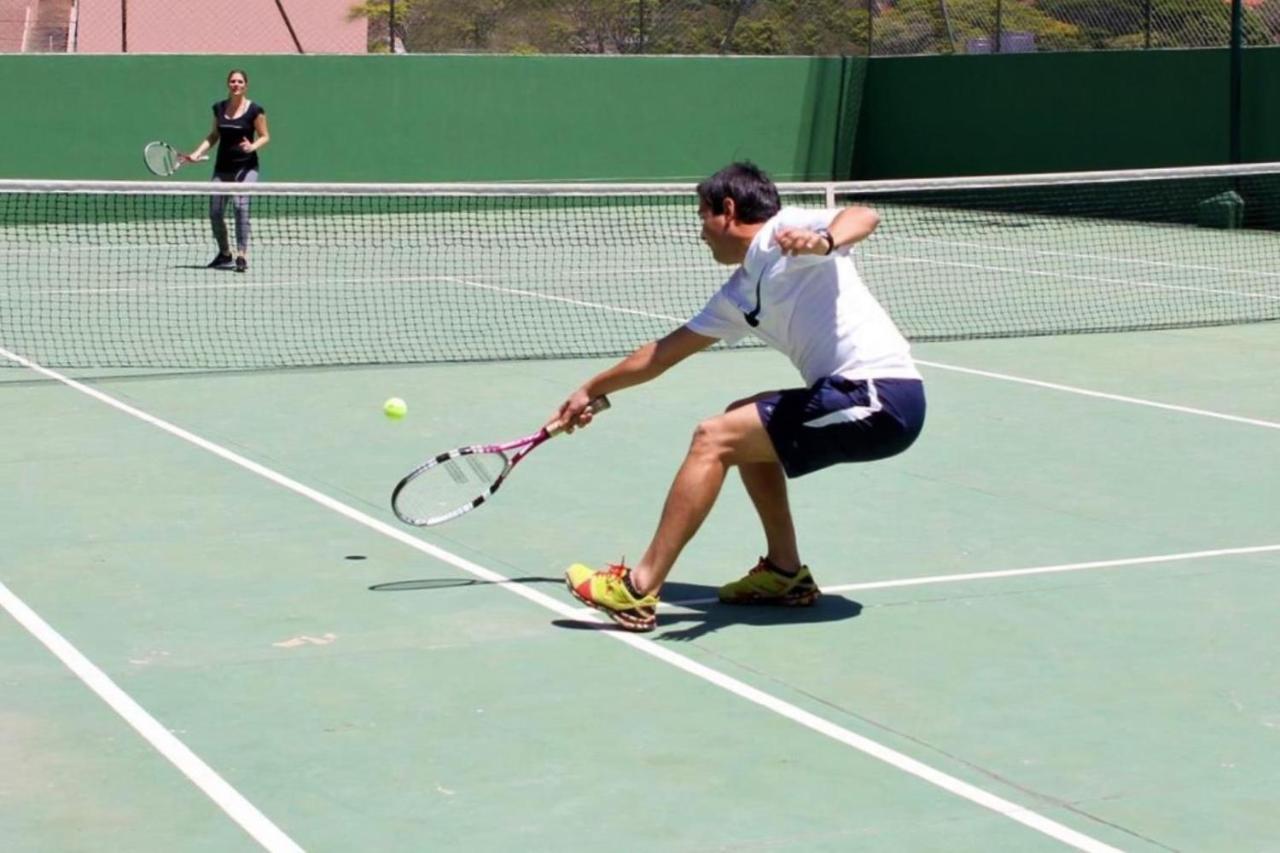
(219, 26)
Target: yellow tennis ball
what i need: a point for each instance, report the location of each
(395, 408)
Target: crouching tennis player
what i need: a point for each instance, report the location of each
(796, 289)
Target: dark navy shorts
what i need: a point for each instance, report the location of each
(842, 420)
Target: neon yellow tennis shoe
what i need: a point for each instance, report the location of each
(610, 590)
(768, 584)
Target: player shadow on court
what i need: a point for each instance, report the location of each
(697, 605)
(691, 603)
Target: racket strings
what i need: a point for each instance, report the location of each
(454, 483)
(482, 473)
(455, 471)
(162, 159)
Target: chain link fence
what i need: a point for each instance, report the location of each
(810, 27)
(689, 27)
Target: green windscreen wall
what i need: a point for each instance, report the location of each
(443, 118)
(486, 118)
(971, 115)
(1260, 112)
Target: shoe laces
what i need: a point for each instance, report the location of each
(617, 569)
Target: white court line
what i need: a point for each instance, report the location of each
(202, 775)
(239, 283)
(1137, 401)
(1076, 256)
(892, 757)
(1097, 279)
(939, 365)
(1120, 398)
(256, 283)
(535, 295)
(1013, 573)
(1065, 567)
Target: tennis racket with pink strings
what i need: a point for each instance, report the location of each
(459, 480)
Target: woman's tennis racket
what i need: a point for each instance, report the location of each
(163, 159)
(460, 480)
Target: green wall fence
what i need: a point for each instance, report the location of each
(933, 116)
(442, 118)
(484, 118)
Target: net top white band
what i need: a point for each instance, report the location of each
(828, 189)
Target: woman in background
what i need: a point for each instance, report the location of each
(239, 130)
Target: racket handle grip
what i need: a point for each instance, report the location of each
(595, 407)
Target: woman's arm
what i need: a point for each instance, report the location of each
(208, 142)
(260, 128)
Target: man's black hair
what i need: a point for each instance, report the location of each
(755, 198)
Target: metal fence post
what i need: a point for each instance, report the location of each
(946, 19)
(1237, 75)
(871, 17)
(640, 47)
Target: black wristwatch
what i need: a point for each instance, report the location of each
(831, 241)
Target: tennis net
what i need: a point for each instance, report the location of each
(111, 274)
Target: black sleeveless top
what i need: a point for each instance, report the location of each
(230, 132)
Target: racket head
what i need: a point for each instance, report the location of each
(161, 158)
(450, 485)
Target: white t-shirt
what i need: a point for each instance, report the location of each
(813, 308)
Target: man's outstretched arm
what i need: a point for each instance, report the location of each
(647, 362)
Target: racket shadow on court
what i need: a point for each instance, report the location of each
(692, 611)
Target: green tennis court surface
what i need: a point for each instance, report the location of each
(1049, 625)
(398, 702)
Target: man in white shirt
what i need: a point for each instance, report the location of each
(797, 289)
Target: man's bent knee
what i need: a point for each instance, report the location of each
(712, 439)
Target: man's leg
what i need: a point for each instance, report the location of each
(737, 437)
(779, 577)
(629, 596)
(766, 483)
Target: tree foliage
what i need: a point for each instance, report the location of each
(807, 27)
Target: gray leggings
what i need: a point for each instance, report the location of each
(218, 204)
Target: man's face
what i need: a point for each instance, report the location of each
(715, 227)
